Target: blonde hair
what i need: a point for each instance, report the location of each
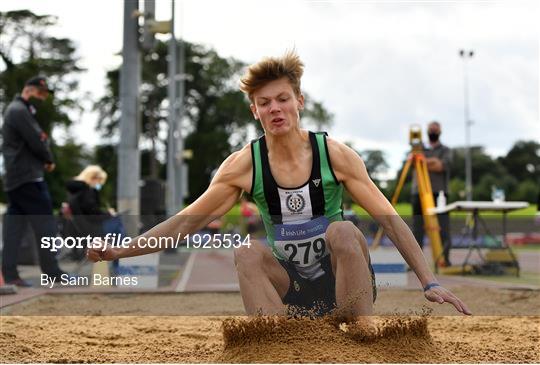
(271, 69)
(90, 172)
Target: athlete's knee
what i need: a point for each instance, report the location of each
(345, 239)
(361, 239)
(343, 230)
(249, 258)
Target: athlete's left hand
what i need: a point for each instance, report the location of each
(440, 295)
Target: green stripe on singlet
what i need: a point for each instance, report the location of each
(257, 193)
(333, 190)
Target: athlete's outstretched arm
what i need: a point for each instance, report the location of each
(218, 199)
(350, 169)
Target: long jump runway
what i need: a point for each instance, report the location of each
(214, 271)
(209, 270)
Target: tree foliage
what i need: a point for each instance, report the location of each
(316, 115)
(27, 49)
(375, 161)
(523, 160)
(516, 173)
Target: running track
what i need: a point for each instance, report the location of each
(213, 270)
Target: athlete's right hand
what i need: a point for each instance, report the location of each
(98, 253)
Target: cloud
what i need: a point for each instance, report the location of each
(378, 66)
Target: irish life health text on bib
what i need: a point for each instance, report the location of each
(302, 244)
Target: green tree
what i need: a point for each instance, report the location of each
(26, 50)
(456, 190)
(482, 190)
(405, 193)
(316, 115)
(523, 161)
(527, 190)
(375, 161)
(212, 111)
(521, 164)
(482, 164)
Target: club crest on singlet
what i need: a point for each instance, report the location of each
(295, 203)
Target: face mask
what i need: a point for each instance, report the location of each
(98, 187)
(433, 137)
(36, 102)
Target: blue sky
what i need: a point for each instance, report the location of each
(378, 66)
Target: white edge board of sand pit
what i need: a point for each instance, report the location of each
(390, 268)
(144, 268)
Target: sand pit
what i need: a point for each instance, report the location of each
(392, 339)
(91, 334)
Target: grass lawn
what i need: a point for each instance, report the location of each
(525, 278)
(526, 248)
(405, 210)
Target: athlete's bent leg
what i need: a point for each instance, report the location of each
(350, 262)
(263, 281)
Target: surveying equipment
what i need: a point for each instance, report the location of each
(431, 224)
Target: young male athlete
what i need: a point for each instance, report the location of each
(313, 259)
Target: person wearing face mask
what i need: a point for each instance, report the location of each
(439, 159)
(84, 201)
(27, 156)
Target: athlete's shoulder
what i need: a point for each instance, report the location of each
(238, 160)
(236, 167)
(339, 150)
(343, 158)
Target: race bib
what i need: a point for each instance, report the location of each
(302, 244)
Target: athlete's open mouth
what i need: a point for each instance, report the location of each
(277, 120)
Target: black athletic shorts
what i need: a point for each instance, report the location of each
(317, 297)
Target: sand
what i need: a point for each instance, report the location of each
(141, 331)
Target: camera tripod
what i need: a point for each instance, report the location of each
(417, 159)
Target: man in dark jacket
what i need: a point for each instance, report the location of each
(26, 156)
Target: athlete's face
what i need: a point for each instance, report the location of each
(277, 107)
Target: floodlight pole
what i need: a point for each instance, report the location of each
(174, 145)
(180, 167)
(466, 55)
(129, 169)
